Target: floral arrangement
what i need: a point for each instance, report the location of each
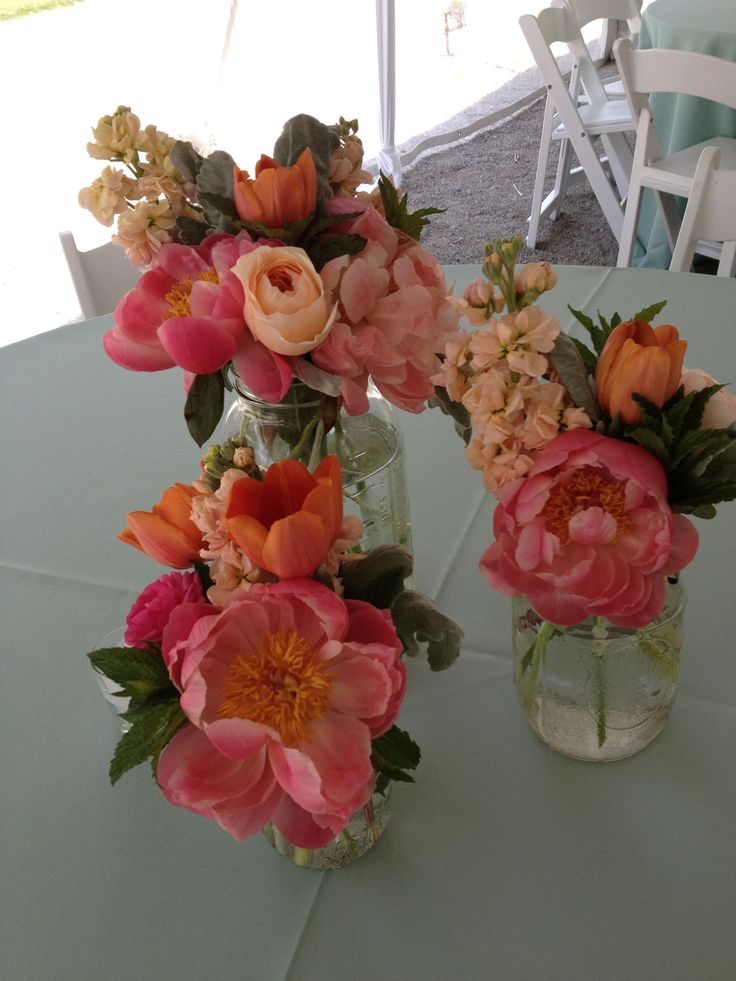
(265, 673)
(291, 275)
(595, 452)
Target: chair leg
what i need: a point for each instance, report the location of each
(563, 177)
(544, 145)
(620, 159)
(671, 217)
(607, 197)
(631, 221)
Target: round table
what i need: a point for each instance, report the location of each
(707, 27)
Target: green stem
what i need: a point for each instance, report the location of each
(600, 637)
(532, 661)
(298, 450)
(316, 453)
(302, 856)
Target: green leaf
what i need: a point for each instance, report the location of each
(135, 669)
(397, 212)
(589, 359)
(596, 334)
(215, 191)
(378, 577)
(186, 160)
(191, 231)
(649, 313)
(649, 441)
(304, 131)
(328, 247)
(204, 406)
(395, 752)
(219, 203)
(663, 651)
(152, 727)
(419, 621)
(455, 410)
(569, 364)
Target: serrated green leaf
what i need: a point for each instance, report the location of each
(378, 577)
(150, 731)
(596, 334)
(615, 321)
(204, 406)
(569, 365)
(398, 749)
(649, 313)
(397, 212)
(650, 441)
(328, 247)
(130, 666)
(589, 359)
(418, 621)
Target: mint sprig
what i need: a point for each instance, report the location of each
(392, 754)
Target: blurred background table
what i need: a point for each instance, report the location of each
(708, 27)
(504, 861)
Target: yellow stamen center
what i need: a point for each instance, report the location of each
(586, 489)
(179, 294)
(282, 685)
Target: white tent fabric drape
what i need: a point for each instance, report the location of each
(388, 155)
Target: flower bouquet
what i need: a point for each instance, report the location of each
(292, 285)
(596, 451)
(264, 675)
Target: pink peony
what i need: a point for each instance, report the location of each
(151, 611)
(393, 315)
(588, 532)
(284, 688)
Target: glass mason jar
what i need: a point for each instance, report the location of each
(361, 832)
(369, 447)
(110, 689)
(595, 691)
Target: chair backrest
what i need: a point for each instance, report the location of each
(100, 276)
(680, 72)
(710, 213)
(556, 25)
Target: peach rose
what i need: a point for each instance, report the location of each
(284, 304)
(720, 409)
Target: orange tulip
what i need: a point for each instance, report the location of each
(278, 195)
(288, 522)
(166, 533)
(642, 359)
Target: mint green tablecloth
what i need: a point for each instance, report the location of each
(504, 862)
(708, 27)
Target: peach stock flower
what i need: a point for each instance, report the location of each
(641, 359)
(589, 532)
(284, 300)
(284, 689)
(288, 522)
(278, 195)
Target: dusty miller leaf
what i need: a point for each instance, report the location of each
(419, 621)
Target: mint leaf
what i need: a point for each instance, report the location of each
(152, 727)
(397, 212)
(419, 621)
(138, 671)
(393, 753)
(649, 313)
(204, 406)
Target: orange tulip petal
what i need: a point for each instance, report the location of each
(251, 497)
(289, 482)
(297, 545)
(176, 506)
(249, 535)
(162, 541)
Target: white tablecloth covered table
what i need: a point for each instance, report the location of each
(504, 861)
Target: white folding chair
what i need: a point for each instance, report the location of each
(100, 276)
(710, 214)
(563, 119)
(678, 72)
(587, 11)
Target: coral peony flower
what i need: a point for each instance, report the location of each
(641, 359)
(284, 689)
(151, 611)
(720, 409)
(288, 522)
(284, 301)
(278, 195)
(176, 314)
(588, 532)
(166, 533)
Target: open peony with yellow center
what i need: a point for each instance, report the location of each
(284, 689)
(588, 532)
(284, 302)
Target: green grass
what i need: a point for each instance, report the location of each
(19, 8)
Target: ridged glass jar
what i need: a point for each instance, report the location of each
(595, 691)
(362, 831)
(369, 446)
